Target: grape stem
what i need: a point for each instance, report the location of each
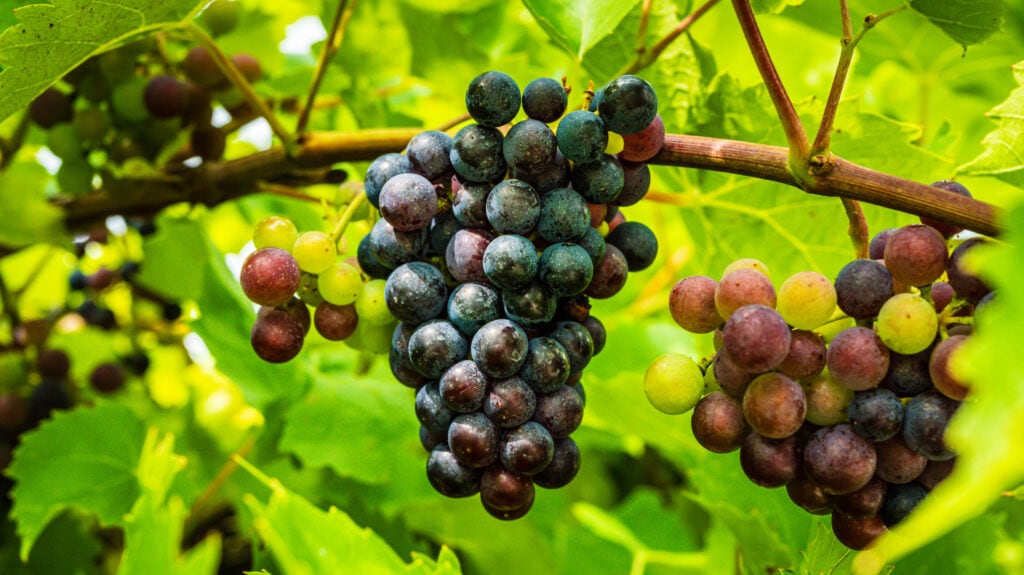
(225, 473)
(858, 228)
(645, 57)
(346, 217)
(10, 307)
(331, 45)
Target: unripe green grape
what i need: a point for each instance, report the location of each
(340, 284)
(315, 251)
(673, 383)
(221, 16)
(806, 300)
(92, 124)
(128, 101)
(371, 304)
(907, 323)
(65, 142)
(370, 337)
(75, 177)
(275, 232)
(827, 400)
(747, 263)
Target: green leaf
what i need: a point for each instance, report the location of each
(83, 459)
(449, 5)
(773, 6)
(52, 39)
(578, 25)
(994, 410)
(968, 21)
(606, 526)
(1003, 157)
(28, 217)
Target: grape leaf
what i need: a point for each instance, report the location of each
(1003, 157)
(970, 22)
(773, 6)
(449, 5)
(28, 217)
(85, 459)
(578, 25)
(994, 410)
(52, 39)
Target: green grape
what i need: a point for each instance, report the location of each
(827, 400)
(371, 306)
(75, 177)
(92, 124)
(340, 284)
(128, 102)
(372, 338)
(275, 232)
(65, 143)
(747, 264)
(907, 323)
(806, 300)
(673, 383)
(221, 16)
(315, 251)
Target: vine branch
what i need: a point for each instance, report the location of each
(645, 57)
(330, 47)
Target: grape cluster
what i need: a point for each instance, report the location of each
(840, 390)
(290, 272)
(490, 245)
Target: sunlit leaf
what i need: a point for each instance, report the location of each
(1003, 157)
(968, 23)
(578, 25)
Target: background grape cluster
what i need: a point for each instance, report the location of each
(840, 390)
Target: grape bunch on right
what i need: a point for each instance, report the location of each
(838, 390)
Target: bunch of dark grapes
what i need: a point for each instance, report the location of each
(491, 245)
(852, 424)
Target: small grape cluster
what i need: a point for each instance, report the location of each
(491, 245)
(851, 424)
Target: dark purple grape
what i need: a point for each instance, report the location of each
(493, 99)
(435, 346)
(908, 375)
(431, 410)
(770, 462)
(464, 387)
(875, 414)
(202, 69)
(756, 338)
(582, 136)
(610, 274)
(547, 365)
(380, 171)
(430, 441)
(967, 285)
(508, 514)
(449, 476)
(531, 307)
(635, 184)
(471, 305)
(593, 243)
(53, 363)
(862, 503)
(600, 181)
(527, 449)
(473, 438)
(876, 249)
(924, 424)
(692, 304)
(564, 216)
(943, 228)
(856, 534)
(465, 254)
(628, 104)
(731, 377)
(806, 357)
(270, 276)
(916, 255)
(597, 332)
(901, 500)
(50, 108)
(545, 99)
(392, 247)
(637, 243)
(499, 348)
(774, 405)
(49, 396)
(408, 202)
(576, 340)
(165, 97)
(513, 207)
(897, 463)
(504, 490)
(335, 322)
(441, 231)
(107, 378)
(415, 292)
(476, 154)
(941, 293)
(560, 411)
(368, 262)
(935, 472)
(429, 154)
(718, 423)
(808, 495)
(510, 402)
(839, 460)
(469, 204)
(277, 335)
(862, 286)
(565, 269)
(510, 261)
(857, 358)
(565, 463)
(555, 174)
(529, 147)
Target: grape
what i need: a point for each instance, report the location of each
(935, 472)
(597, 332)
(839, 460)
(732, 378)
(564, 216)
(876, 414)
(924, 424)
(504, 490)
(335, 322)
(555, 174)
(380, 171)
(600, 181)
(943, 228)
(902, 499)
(50, 108)
(531, 307)
(463, 387)
(372, 306)
(408, 202)
(637, 243)
(806, 356)
(449, 476)
(53, 363)
(945, 381)
(628, 104)
(857, 358)
(469, 205)
(770, 462)
(966, 284)
(75, 177)
(582, 136)
(493, 99)
(546, 367)
(827, 401)
(692, 304)
(465, 253)
(863, 503)
(165, 97)
(635, 184)
(742, 287)
(529, 146)
(718, 423)
(565, 269)
(646, 143)
(106, 378)
(610, 275)
(510, 261)
(757, 338)
(856, 534)
(471, 305)
(560, 411)
(908, 374)
(545, 99)
(296, 309)
(441, 231)
(473, 439)
(747, 264)
(431, 410)
(277, 335)
(208, 143)
(941, 295)
(527, 449)
(673, 383)
(476, 154)
(249, 66)
(398, 358)
(808, 495)
(415, 292)
(202, 69)
(269, 276)
(774, 405)
(565, 463)
(499, 348)
(876, 249)
(429, 154)
(221, 16)
(275, 232)
(897, 463)
(513, 207)
(66, 143)
(340, 284)
(907, 323)
(50, 395)
(435, 346)
(314, 251)
(92, 125)
(916, 255)
(862, 286)
(577, 343)
(806, 300)
(510, 402)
